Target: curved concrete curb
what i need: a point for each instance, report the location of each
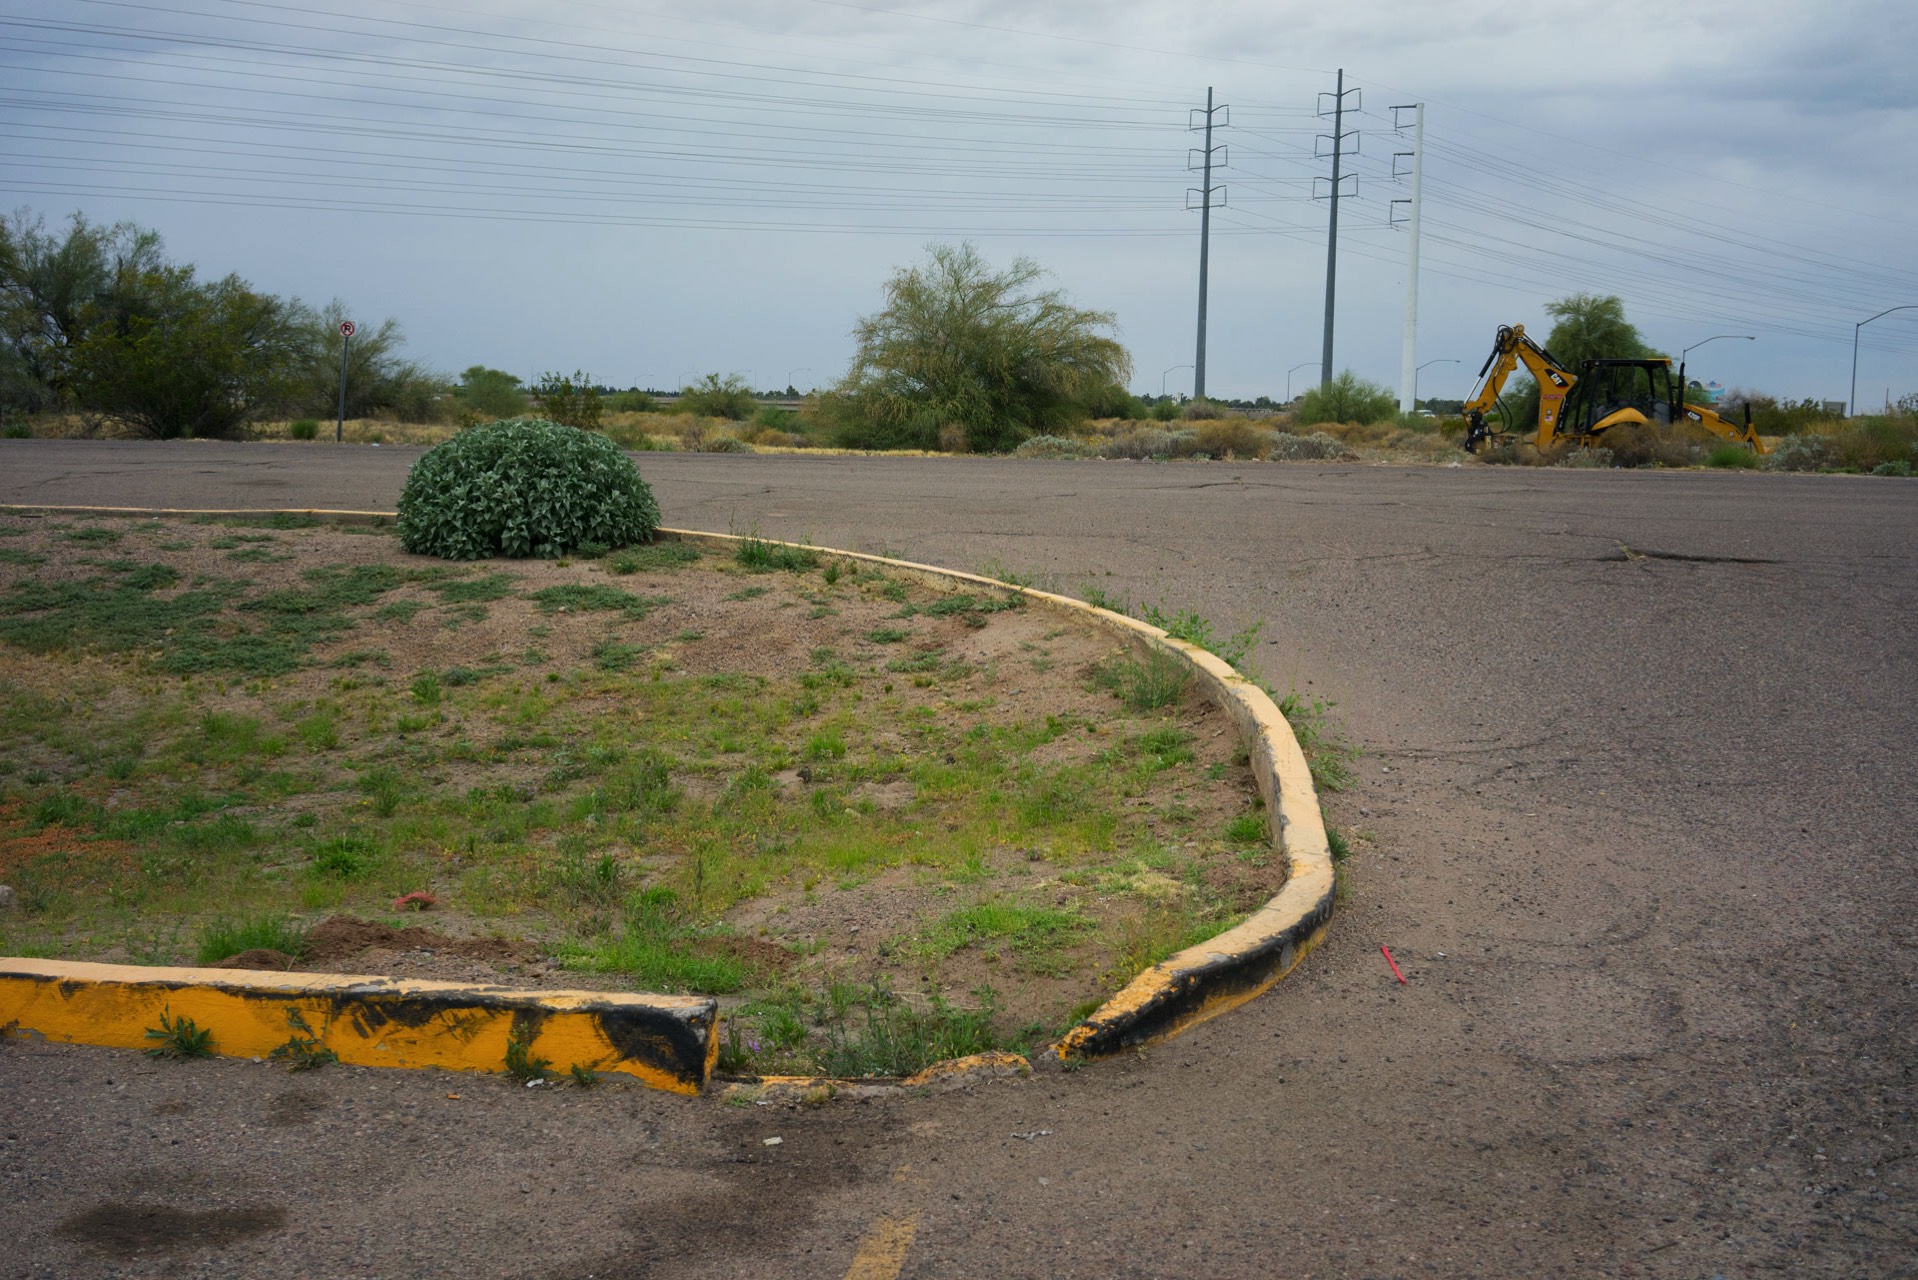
(1198, 983)
(669, 1042)
(1204, 981)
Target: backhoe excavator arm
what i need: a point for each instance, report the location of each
(1510, 349)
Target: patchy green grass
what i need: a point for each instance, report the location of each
(212, 763)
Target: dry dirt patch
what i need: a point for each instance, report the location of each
(835, 798)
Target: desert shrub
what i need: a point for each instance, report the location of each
(774, 418)
(1800, 453)
(1896, 467)
(1236, 436)
(572, 401)
(1635, 446)
(1197, 410)
(302, 429)
(1151, 443)
(1051, 447)
(490, 393)
(954, 438)
(1866, 443)
(525, 487)
(1348, 398)
(1589, 457)
(1317, 447)
(726, 444)
(716, 397)
(1165, 409)
(1731, 457)
(631, 402)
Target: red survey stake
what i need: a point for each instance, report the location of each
(1387, 951)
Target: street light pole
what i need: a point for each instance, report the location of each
(1851, 405)
(1174, 369)
(804, 368)
(1415, 378)
(1288, 377)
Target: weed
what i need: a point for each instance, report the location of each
(1163, 748)
(179, 1038)
(522, 1064)
(887, 635)
(348, 857)
(302, 1050)
(1158, 680)
(614, 655)
(748, 593)
(1335, 841)
(384, 788)
(584, 1076)
(1329, 759)
(426, 689)
(224, 939)
(1247, 828)
(831, 572)
(766, 557)
(873, 1031)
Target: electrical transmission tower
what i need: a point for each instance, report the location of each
(1409, 355)
(1201, 159)
(1338, 153)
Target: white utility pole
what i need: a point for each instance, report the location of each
(1408, 359)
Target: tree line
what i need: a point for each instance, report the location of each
(96, 319)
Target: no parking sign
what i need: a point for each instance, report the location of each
(347, 330)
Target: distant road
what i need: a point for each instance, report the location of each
(1635, 814)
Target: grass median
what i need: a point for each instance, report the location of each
(883, 824)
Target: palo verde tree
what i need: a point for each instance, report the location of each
(1347, 398)
(965, 356)
(177, 356)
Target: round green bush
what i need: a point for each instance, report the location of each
(526, 487)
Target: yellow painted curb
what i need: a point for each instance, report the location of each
(317, 513)
(668, 1042)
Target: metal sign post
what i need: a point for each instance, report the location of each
(347, 330)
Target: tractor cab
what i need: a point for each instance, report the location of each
(1609, 393)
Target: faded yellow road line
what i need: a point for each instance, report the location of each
(883, 1250)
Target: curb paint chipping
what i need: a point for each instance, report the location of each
(668, 1042)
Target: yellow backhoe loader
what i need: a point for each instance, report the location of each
(1579, 408)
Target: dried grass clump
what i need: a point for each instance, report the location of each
(1316, 447)
(1052, 447)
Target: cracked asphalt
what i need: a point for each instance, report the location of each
(1634, 813)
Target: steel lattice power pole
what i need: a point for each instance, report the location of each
(1332, 233)
(1204, 164)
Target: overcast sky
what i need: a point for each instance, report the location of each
(653, 192)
